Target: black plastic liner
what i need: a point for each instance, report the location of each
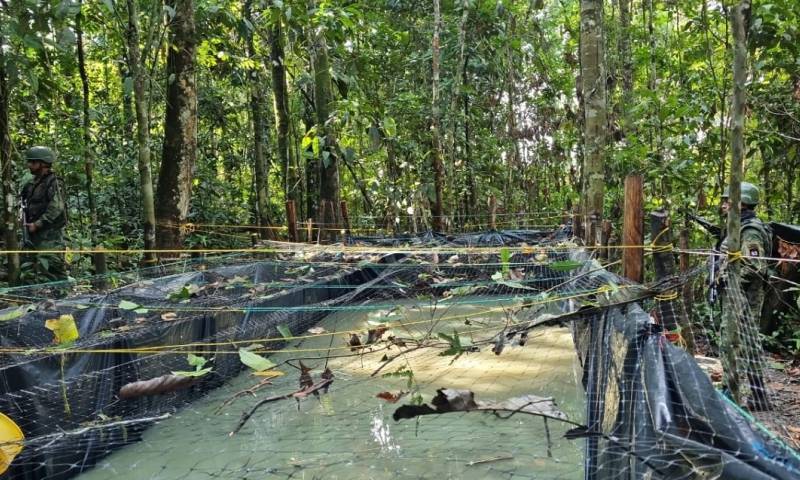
(485, 239)
(48, 395)
(653, 413)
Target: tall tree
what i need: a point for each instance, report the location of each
(436, 140)
(593, 76)
(99, 258)
(323, 99)
(180, 129)
(141, 105)
(260, 162)
(731, 341)
(7, 176)
(280, 95)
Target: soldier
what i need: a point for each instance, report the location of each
(756, 245)
(44, 214)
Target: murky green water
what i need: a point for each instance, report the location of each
(350, 434)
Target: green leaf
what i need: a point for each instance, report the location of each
(284, 331)
(128, 305)
(255, 361)
(390, 127)
(505, 260)
(141, 311)
(12, 314)
(565, 265)
(196, 361)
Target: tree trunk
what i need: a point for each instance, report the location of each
(281, 108)
(98, 259)
(438, 167)
(731, 341)
(627, 66)
(512, 154)
(323, 97)
(312, 166)
(9, 192)
(136, 68)
(594, 97)
(260, 161)
(180, 130)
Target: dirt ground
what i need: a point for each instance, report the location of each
(784, 385)
(785, 418)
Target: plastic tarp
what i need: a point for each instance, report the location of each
(652, 412)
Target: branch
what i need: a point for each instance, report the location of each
(249, 391)
(299, 394)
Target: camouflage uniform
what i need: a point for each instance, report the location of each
(756, 244)
(745, 295)
(44, 206)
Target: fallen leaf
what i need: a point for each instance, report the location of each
(169, 316)
(391, 397)
(305, 376)
(354, 342)
(316, 330)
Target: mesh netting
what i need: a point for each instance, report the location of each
(438, 357)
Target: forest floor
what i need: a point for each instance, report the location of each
(784, 384)
(785, 418)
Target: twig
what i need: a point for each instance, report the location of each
(299, 394)
(549, 440)
(489, 460)
(391, 359)
(249, 391)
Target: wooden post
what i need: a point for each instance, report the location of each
(592, 228)
(671, 310)
(310, 230)
(633, 230)
(492, 213)
(577, 223)
(100, 269)
(345, 218)
(321, 220)
(605, 237)
(688, 296)
(331, 221)
(291, 220)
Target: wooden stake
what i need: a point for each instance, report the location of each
(321, 220)
(671, 311)
(291, 220)
(688, 297)
(345, 217)
(492, 213)
(605, 237)
(633, 230)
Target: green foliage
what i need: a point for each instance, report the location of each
(198, 363)
(255, 361)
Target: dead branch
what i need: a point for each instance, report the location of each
(249, 391)
(298, 395)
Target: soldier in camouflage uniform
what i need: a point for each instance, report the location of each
(44, 214)
(756, 245)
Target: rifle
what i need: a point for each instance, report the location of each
(714, 260)
(706, 224)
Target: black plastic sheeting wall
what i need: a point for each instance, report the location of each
(47, 395)
(653, 413)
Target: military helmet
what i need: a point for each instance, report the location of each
(750, 194)
(42, 154)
